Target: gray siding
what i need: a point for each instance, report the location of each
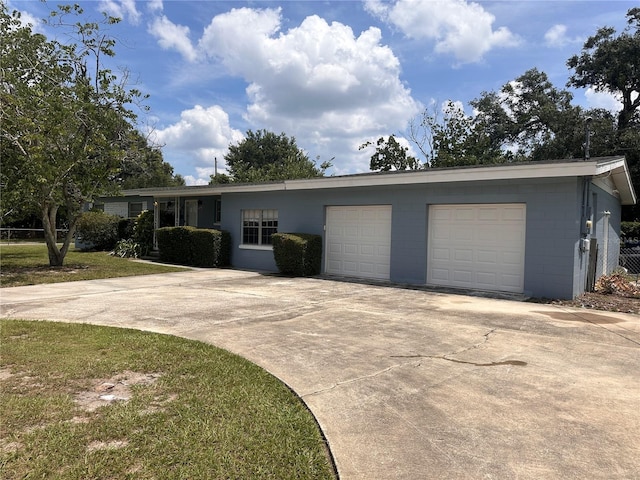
(552, 238)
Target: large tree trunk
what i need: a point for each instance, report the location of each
(49, 215)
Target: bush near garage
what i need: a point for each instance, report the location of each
(195, 247)
(97, 230)
(143, 232)
(298, 254)
(630, 229)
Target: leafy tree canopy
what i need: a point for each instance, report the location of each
(264, 156)
(391, 155)
(611, 63)
(143, 166)
(65, 122)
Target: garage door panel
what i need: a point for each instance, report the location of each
(440, 254)
(516, 214)
(463, 255)
(364, 233)
(462, 276)
(512, 258)
(487, 256)
(488, 214)
(463, 214)
(477, 246)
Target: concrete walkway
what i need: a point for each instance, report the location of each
(406, 384)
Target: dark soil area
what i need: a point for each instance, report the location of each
(599, 301)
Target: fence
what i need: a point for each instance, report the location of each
(630, 256)
(9, 234)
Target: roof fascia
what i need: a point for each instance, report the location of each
(618, 170)
(507, 172)
(203, 191)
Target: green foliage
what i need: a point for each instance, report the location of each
(298, 254)
(64, 123)
(125, 228)
(97, 230)
(630, 229)
(390, 155)
(219, 179)
(143, 231)
(143, 166)
(611, 63)
(264, 156)
(534, 116)
(126, 248)
(194, 246)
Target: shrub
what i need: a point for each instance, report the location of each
(194, 246)
(630, 230)
(143, 232)
(125, 228)
(126, 248)
(298, 254)
(97, 230)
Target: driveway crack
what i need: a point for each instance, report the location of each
(357, 379)
(447, 356)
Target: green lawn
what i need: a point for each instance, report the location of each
(193, 411)
(29, 265)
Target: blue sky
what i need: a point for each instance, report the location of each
(333, 74)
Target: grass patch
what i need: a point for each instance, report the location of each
(29, 265)
(186, 409)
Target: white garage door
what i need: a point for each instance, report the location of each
(358, 240)
(477, 246)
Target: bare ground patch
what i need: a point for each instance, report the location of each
(114, 389)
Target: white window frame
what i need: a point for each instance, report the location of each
(261, 217)
(142, 209)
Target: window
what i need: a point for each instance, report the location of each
(135, 209)
(258, 226)
(217, 213)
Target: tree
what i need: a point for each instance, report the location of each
(461, 140)
(612, 64)
(64, 121)
(219, 179)
(390, 155)
(264, 156)
(531, 118)
(143, 166)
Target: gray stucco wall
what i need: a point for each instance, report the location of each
(552, 232)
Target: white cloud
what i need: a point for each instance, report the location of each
(125, 9)
(464, 29)
(202, 135)
(317, 81)
(172, 36)
(556, 36)
(155, 6)
(606, 100)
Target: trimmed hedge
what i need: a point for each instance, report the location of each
(298, 254)
(196, 247)
(97, 230)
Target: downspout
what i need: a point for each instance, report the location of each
(605, 240)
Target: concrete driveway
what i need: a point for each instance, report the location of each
(406, 384)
